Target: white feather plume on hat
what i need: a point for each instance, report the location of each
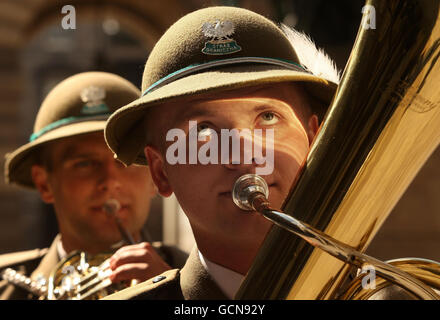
(313, 58)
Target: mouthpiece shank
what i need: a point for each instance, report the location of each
(247, 188)
(112, 206)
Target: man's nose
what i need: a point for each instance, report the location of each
(110, 177)
(240, 154)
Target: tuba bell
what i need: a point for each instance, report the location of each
(381, 127)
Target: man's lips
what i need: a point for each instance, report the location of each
(101, 208)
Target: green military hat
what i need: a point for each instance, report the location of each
(208, 51)
(79, 104)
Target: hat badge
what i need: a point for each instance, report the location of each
(93, 97)
(220, 42)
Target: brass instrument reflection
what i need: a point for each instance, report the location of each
(379, 131)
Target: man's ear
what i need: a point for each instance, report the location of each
(40, 177)
(313, 126)
(156, 165)
(153, 189)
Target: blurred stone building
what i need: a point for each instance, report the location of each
(117, 36)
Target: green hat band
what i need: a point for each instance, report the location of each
(66, 121)
(216, 63)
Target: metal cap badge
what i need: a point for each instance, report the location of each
(221, 42)
(93, 97)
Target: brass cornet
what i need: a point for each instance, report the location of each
(79, 276)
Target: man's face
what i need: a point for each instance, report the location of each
(83, 175)
(204, 190)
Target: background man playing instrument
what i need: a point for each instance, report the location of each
(225, 68)
(70, 165)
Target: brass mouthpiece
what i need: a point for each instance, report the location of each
(246, 188)
(111, 206)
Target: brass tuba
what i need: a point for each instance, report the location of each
(381, 127)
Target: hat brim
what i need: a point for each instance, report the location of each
(19, 162)
(124, 132)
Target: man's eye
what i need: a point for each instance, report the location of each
(204, 129)
(83, 164)
(269, 118)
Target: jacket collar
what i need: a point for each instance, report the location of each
(49, 261)
(195, 281)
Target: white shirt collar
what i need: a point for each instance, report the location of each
(228, 280)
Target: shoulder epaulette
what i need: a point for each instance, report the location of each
(151, 288)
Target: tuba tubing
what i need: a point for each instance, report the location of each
(380, 129)
(251, 192)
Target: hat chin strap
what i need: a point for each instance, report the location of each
(194, 68)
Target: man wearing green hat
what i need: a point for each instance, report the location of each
(214, 71)
(70, 165)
